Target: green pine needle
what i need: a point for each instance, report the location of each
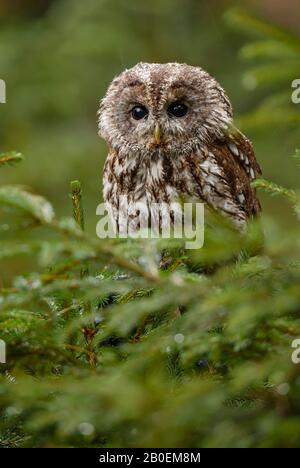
(10, 158)
(76, 195)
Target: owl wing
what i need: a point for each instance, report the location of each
(224, 177)
(241, 147)
(238, 149)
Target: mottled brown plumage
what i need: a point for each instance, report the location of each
(170, 134)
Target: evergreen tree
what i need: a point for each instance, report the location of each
(106, 349)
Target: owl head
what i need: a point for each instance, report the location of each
(168, 107)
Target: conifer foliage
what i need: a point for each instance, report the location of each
(106, 349)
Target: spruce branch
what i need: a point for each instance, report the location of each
(199, 349)
(240, 19)
(274, 189)
(10, 158)
(76, 195)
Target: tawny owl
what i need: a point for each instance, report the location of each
(170, 134)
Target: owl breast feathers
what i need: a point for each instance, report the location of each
(170, 135)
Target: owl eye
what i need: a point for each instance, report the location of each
(139, 112)
(177, 109)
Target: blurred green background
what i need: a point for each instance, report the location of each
(58, 57)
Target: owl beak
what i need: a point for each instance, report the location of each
(157, 134)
